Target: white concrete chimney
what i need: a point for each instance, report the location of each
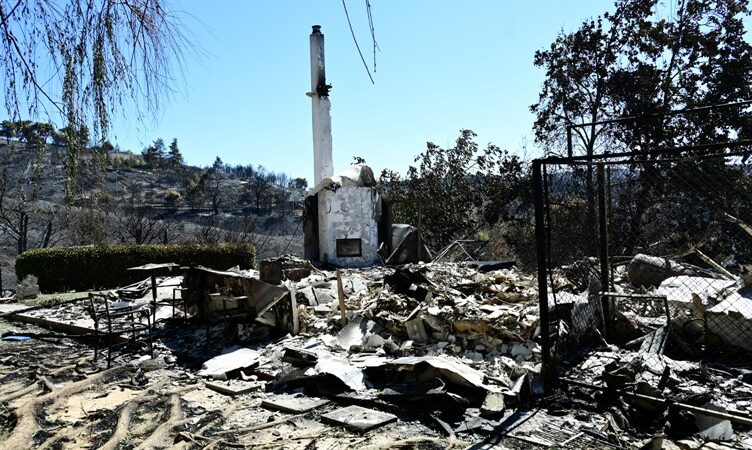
(322, 119)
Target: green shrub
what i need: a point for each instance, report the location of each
(61, 269)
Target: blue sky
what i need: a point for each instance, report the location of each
(443, 65)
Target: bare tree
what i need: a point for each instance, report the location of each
(140, 224)
(136, 222)
(208, 231)
(29, 224)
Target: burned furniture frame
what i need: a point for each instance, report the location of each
(152, 270)
(234, 298)
(119, 325)
(216, 296)
(229, 316)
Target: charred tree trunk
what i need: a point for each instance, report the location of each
(23, 232)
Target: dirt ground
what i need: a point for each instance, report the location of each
(53, 395)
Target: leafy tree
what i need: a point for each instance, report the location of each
(35, 133)
(172, 197)
(150, 156)
(107, 147)
(298, 183)
(101, 54)
(634, 62)
(455, 189)
(637, 62)
(193, 194)
(155, 154)
(9, 130)
(176, 157)
(76, 136)
(159, 148)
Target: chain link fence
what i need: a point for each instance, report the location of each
(644, 265)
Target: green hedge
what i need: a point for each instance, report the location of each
(61, 269)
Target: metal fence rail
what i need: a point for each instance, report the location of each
(644, 263)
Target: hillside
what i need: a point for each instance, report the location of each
(127, 200)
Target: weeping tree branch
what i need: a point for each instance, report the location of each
(99, 57)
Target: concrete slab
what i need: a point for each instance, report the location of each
(6, 308)
(234, 387)
(680, 290)
(82, 326)
(493, 406)
(232, 358)
(292, 404)
(358, 418)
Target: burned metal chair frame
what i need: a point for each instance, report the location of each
(112, 325)
(182, 299)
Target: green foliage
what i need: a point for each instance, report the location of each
(298, 183)
(172, 196)
(636, 62)
(456, 189)
(80, 268)
(155, 154)
(32, 133)
(176, 157)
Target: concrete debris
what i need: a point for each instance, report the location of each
(231, 359)
(293, 404)
(731, 319)
(276, 270)
(27, 288)
(673, 330)
(683, 290)
(713, 428)
(357, 175)
(493, 406)
(463, 339)
(340, 368)
(358, 418)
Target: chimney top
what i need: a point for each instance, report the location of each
(316, 29)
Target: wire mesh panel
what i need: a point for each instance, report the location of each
(647, 261)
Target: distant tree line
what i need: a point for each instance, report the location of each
(125, 197)
(40, 133)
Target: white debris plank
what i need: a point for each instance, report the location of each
(232, 358)
(234, 387)
(358, 418)
(292, 404)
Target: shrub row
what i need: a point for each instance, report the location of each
(60, 269)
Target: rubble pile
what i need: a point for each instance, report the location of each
(485, 320)
(676, 357)
(444, 351)
(393, 344)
